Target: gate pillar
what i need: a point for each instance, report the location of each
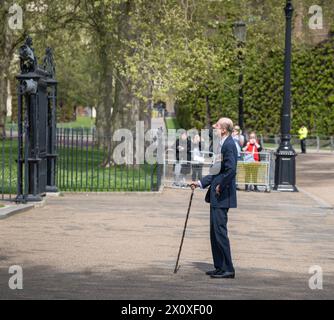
(36, 127)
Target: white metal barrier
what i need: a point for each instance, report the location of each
(255, 170)
(178, 174)
(315, 143)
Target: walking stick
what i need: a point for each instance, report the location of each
(184, 232)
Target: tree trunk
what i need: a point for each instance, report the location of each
(208, 109)
(299, 21)
(105, 93)
(3, 103)
(6, 54)
(121, 99)
(148, 122)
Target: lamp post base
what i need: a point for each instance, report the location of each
(285, 171)
(286, 188)
(28, 198)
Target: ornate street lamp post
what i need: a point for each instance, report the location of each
(285, 170)
(240, 33)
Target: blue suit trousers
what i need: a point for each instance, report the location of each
(220, 243)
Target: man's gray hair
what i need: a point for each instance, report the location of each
(227, 124)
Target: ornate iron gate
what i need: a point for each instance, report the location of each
(37, 91)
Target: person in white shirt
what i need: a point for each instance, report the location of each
(197, 159)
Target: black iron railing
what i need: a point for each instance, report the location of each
(8, 166)
(84, 164)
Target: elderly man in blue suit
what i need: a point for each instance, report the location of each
(221, 196)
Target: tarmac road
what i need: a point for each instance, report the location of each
(116, 246)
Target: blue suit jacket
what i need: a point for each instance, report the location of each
(225, 177)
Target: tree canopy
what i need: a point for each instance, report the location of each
(121, 56)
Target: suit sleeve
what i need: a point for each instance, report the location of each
(230, 163)
(206, 181)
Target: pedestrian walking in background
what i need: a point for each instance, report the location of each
(303, 133)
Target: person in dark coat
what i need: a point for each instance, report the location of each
(183, 158)
(222, 196)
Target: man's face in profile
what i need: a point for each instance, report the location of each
(219, 129)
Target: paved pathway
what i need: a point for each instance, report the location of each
(315, 175)
(158, 123)
(124, 246)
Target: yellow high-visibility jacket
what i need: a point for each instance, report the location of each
(303, 132)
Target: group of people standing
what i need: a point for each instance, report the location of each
(191, 161)
(249, 151)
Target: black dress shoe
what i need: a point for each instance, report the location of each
(210, 273)
(223, 275)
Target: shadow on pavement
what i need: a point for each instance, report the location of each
(43, 282)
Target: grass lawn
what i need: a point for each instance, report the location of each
(81, 122)
(80, 169)
(172, 123)
(8, 166)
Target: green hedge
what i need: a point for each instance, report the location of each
(312, 92)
